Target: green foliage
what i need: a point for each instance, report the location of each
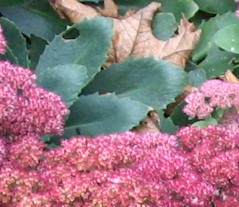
(218, 62)
(99, 114)
(35, 17)
(36, 48)
(178, 7)
(164, 25)
(197, 77)
(209, 29)
(16, 49)
(12, 2)
(207, 121)
(89, 48)
(216, 7)
(66, 80)
(227, 38)
(153, 82)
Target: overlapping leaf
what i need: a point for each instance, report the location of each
(65, 80)
(89, 48)
(34, 17)
(97, 114)
(153, 82)
(16, 49)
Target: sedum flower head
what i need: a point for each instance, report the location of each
(124, 169)
(194, 168)
(25, 107)
(3, 42)
(213, 152)
(212, 94)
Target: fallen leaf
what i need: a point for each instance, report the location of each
(149, 124)
(110, 9)
(133, 33)
(134, 37)
(230, 77)
(73, 10)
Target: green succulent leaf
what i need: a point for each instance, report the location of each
(164, 25)
(197, 77)
(35, 17)
(36, 48)
(178, 7)
(205, 122)
(102, 114)
(84, 43)
(166, 124)
(16, 50)
(218, 62)
(209, 29)
(65, 80)
(153, 82)
(227, 38)
(13, 2)
(216, 7)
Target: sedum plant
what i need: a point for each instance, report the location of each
(65, 119)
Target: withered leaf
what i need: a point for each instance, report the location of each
(72, 10)
(134, 37)
(133, 33)
(230, 77)
(149, 124)
(110, 9)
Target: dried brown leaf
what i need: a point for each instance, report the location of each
(230, 77)
(110, 9)
(133, 33)
(73, 10)
(149, 124)
(134, 37)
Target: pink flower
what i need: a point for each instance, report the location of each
(194, 168)
(197, 105)
(25, 107)
(3, 150)
(15, 184)
(212, 94)
(124, 169)
(215, 155)
(3, 42)
(26, 152)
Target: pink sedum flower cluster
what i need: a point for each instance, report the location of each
(213, 152)
(3, 42)
(193, 168)
(211, 95)
(25, 107)
(214, 95)
(125, 169)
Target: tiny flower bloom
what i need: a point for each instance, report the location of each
(3, 42)
(211, 95)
